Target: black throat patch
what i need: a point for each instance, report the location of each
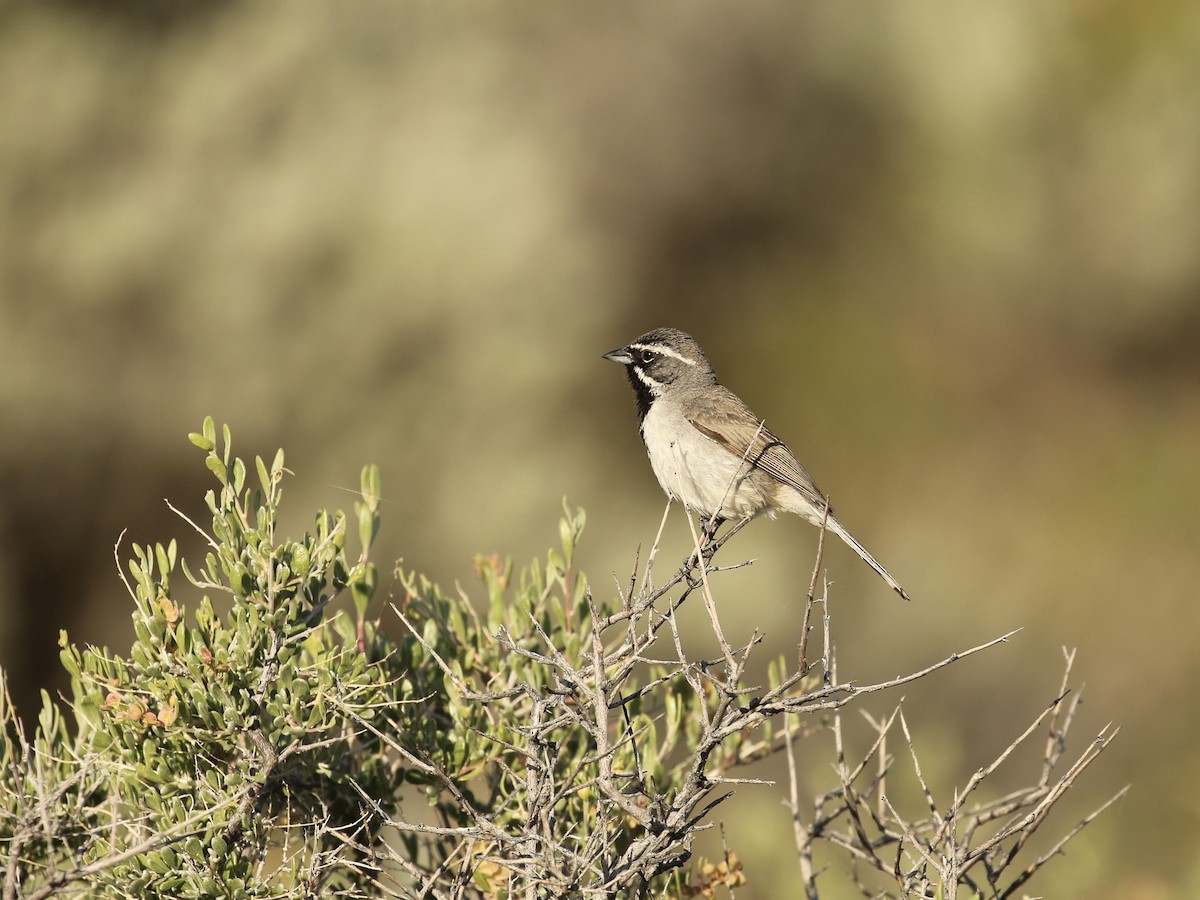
(642, 392)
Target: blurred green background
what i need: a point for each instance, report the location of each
(949, 251)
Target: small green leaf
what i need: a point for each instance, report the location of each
(567, 536)
(218, 469)
(368, 524)
(200, 441)
(301, 561)
(160, 556)
(363, 587)
(371, 484)
(69, 662)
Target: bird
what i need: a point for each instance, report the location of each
(709, 451)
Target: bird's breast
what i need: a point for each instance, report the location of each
(695, 469)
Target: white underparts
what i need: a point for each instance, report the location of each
(696, 470)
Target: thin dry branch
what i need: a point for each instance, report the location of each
(936, 852)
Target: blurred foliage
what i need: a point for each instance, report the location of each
(948, 251)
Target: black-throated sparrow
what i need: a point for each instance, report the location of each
(708, 449)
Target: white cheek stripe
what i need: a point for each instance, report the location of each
(665, 351)
(655, 386)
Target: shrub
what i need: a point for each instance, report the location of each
(546, 744)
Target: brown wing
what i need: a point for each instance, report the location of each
(731, 424)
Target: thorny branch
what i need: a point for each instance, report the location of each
(622, 661)
(972, 842)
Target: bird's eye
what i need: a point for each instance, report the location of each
(647, 357)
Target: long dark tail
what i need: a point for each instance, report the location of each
(836, 527)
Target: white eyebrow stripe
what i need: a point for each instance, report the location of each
(655, 386)
(665, 351)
